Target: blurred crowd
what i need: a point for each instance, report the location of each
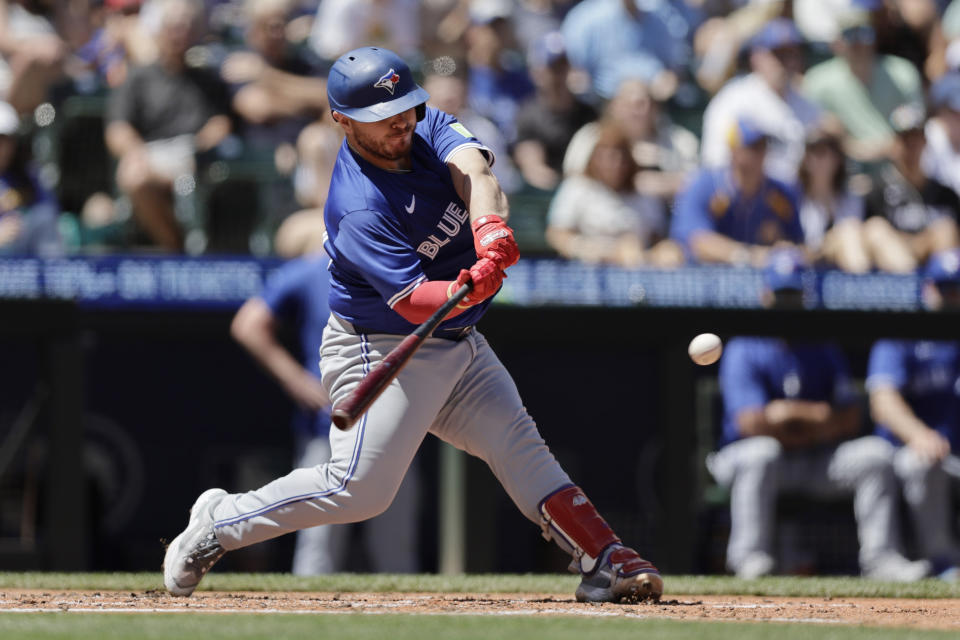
(627, 132)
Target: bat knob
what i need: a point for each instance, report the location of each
(342, 419)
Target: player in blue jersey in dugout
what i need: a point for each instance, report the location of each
(413, 213)
(914, 388)
(792, 423)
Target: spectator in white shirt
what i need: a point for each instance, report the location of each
(830, 213)
(767, 97)
(598, 216)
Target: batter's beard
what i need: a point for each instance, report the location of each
(380, 147)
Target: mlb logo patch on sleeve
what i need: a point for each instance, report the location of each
(462, 130)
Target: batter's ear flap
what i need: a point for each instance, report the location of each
(421, 111)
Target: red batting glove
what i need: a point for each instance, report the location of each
(486, 277)
(492, 235)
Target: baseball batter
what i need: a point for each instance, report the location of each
(413, 213)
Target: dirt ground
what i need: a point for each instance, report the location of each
(925, 614)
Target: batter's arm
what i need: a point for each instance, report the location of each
(888, 407)
(476, 185)
(423, 301)
(478, 188)
(254, 327)
(484, 278)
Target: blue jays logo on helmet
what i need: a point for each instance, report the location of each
(356, 81)
(388, 81)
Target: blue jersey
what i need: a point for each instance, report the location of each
(711, 202)
(755, 371)
(927, 374)
(388, 232)
(297, 295)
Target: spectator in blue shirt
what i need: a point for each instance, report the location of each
(735, 214)
(648, 39)
(296, 295)
(914, 390)
(791, 421)
(498, 81)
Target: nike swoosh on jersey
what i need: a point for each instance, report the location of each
(413, 205)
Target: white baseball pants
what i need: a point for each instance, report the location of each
(390, 538)
(757, 469)
(458, 391)
(927, 490)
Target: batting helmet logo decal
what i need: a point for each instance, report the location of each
(388, 81)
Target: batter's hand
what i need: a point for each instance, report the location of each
(492, 235)
(486, 277)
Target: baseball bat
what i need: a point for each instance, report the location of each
(347, 412)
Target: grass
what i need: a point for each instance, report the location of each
(147, 626)
(70, 626)
(499, 583)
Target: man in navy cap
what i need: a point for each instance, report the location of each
(914, 388)
(767, 96)
(733, 215)
(791, 423)
(650, 38)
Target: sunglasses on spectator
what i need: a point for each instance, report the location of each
(788, 52)
(860, 34)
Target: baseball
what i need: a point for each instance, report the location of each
(705, 348)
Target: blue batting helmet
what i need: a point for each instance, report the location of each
(371, 83)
